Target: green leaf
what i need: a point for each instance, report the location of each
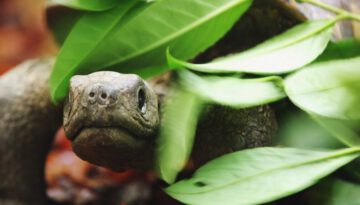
(258, 175)
(89, 5)
(86, 36)
(336, 192)
(344, 49)
(329, 89)
(179, 24)
(284, 53)
(177, 132)
(234, 92)
(340, 129)
(140, 43)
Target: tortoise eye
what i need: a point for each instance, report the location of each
(141, 100)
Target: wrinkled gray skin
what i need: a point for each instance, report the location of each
(112, 120)
(113, 115)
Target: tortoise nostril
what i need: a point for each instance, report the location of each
(103, 95)
(100, 94)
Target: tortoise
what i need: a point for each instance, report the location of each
(123, 112)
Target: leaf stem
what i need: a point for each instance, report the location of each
(354, 17)
(347, 151)
(341, 12)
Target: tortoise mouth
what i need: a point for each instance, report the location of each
(80, 131)
(107, 146)
(115, 134)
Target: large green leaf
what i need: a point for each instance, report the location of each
(257, 176)
(177, 133)
(90, 5)
(329, 89)
(85, 37)
(234, 92)
(286, 52)
(187, 26)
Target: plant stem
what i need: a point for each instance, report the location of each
(354, 17)
(333, 9)
(325, 6)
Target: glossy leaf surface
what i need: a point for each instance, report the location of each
(271, 173)
(85, 37)
(234, 92)
(329, 89)
(137, 45)
(284, 53)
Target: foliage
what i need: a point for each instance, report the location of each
(235, 178)
(147, 38)
(90, 5)
(175, 150)
(232, 91)
(128, 43)
(328, 89)
(309, 39)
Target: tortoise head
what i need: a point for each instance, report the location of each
(112, 119)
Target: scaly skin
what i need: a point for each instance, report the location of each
(223, 130)
(106, 123)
